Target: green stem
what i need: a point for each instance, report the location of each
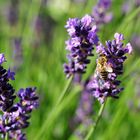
(64, 91)
(6, 136)
(92, 129)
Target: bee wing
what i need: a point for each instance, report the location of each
(109, 68)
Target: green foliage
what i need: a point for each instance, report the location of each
(43, 67)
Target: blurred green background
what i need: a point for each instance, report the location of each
(32, 37)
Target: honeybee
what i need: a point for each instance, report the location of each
(103, 67)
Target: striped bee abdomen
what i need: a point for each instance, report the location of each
(104, 75)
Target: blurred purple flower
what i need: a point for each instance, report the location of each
(83, 35)
(77, 78)
(115, 53)
(17, 53)
(135, 41)
(137, 3)
(128, 5)
(13, 11)
(100, 13)
(84, 113)
(43, 25)
(105, 4)
(85, 108)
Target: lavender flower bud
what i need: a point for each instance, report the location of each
(109, 66)
(28, 99)
(83, 35)
(11, 75)
(6, 91)
(2, 58)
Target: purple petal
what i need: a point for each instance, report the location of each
(2, 58)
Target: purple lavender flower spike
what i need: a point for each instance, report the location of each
(14, 117)
(100, 12)
(115, 55)
(83, 35)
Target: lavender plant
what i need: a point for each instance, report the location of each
(115, 55)
(15, 115)
(101, 87)
(83, 35)
(17, 53)
(104, 82)
(85, 110)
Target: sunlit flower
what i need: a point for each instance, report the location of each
(115, 53)
(83, 35)
(14, 116)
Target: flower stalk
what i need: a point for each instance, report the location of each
(92, 129)
(64, 91)
(6, 136)
(82, 39)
